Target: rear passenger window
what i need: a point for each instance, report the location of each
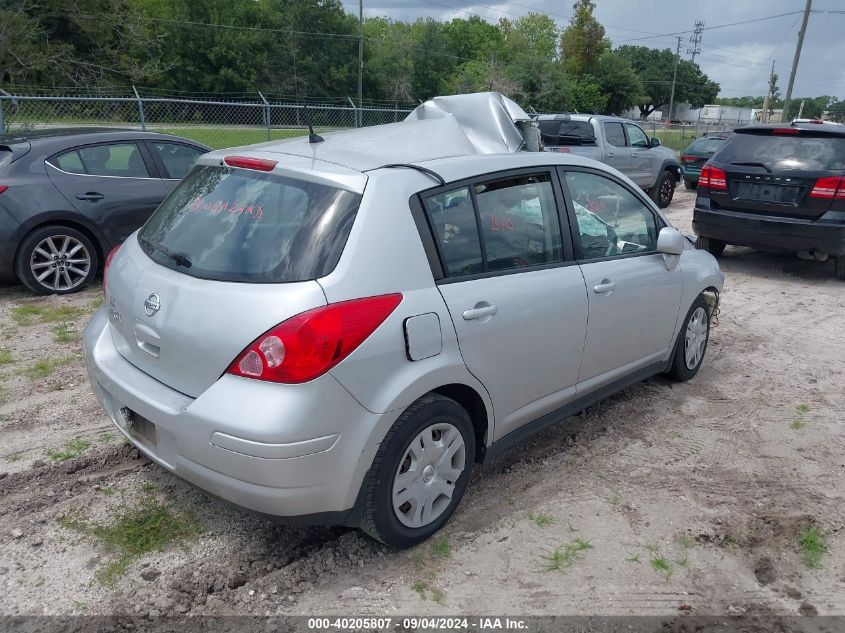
(121, 159)
(452, 219)
(69, 162)
(518, 223)
(615, 134)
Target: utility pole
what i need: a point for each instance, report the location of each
(695, 40)
(795, 59)
(769, 96)
(360, 63)
(674, 78)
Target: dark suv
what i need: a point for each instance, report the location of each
(69, 195)
(776, 188)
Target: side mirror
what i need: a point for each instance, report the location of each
(670, 241)
(655, 142)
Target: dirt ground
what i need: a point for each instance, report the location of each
(723, 495)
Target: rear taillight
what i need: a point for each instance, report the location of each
(311, 343)
(831, 187)
(106, 265)
(3, 188)
(687, 159)
(712, 178)
(245, 162)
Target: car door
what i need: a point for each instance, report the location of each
(633, 299)
(643, 172)
(617, 153)
(517, 301)
(114, 185)
(174, 160)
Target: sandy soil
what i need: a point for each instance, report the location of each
(664, 499)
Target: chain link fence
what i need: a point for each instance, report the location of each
(217, 123)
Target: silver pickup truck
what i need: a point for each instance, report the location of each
(619, 143)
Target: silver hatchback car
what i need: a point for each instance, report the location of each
(336, 332)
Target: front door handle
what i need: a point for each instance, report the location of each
(91, 196)
(480, 313)
(605, 287)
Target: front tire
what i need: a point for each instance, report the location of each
(692, 342)
(420, 472)
(714, 247)
(56, 260)
(664, 189)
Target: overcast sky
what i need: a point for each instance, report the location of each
(737, 57)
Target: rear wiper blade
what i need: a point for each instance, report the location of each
(753, 164)
(178, 258)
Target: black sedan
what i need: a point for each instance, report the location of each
(68, 196)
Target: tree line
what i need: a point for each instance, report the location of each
(308, 49)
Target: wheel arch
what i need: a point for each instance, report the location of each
(475, 406)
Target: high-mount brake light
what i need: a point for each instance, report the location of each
(246, 162)
(712, 178)
(309, 344)
(786, 131)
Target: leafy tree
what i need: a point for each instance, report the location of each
(26, 52)
(582, 43)
(618, 83)
(655, 69)
(774, 91)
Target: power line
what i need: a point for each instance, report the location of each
(718, 26)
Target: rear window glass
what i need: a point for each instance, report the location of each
(821, 152)
(706, 145)
(555, 132)
(241, 225)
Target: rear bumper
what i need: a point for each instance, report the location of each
(770, 233)
(258, 445)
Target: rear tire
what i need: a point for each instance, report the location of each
(690, 184)
(691, 345)
(840, 267)
(714, 247)
(56, 260)
(664, 189)
(431, 441)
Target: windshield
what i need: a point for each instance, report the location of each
(240, 225)
(821, 152)
(555, 132)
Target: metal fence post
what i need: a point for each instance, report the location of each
(2, 122)
(140, 109)
(358, 120)
(266, 114)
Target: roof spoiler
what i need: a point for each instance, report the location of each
(493, 123)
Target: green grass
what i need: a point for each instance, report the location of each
(27, 314)
(813, 546)
(108, 491)
(219, 137)
(677, 140)
(14, 457)
(661, 565)
(563, 557)
(61, 334)
(149, 488)
(419, 586)
(634, 558)
(685, 540)
(441, 548)
(797, 424)
(803, 408)
(95, 303)
(542, 519)
(147, 527)
(6, 356)
(438, 595)
(73, 448)
(44, 368)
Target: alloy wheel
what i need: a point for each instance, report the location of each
(60, 262)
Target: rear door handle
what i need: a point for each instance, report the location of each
(91, 196)
(480, 313)
(605, 287)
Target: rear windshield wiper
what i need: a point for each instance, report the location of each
(177, 258)
(753, 164)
